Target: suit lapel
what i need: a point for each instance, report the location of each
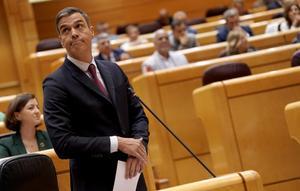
(18, 144)
(84, 79)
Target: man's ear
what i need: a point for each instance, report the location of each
(92, 30)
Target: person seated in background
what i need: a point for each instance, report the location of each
(295, 61)
(106, 52)
(23, 116)
(180, 38)
(103, 28)
(163, 58)
(270, 4)
(240, 6)
(181, 16)
(292, 18)
(231, 17)
(133, 34)
(164, 18)
(296, 39)
(237, 43)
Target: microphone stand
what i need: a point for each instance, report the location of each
(174, 135)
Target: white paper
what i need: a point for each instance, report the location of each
(123, 184)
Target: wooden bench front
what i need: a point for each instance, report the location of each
(245, 126)
(241, 181)
(292, 116)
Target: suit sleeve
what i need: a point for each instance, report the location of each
(137, 118)
(57, 112)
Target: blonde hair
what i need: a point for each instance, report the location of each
(233, 39)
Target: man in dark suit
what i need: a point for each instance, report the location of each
(231, 17)
(91, 113)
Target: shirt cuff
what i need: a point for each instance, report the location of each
(113, 144)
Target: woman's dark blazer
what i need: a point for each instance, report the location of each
(12, 144)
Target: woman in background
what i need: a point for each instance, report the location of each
(237, 43)
(23, 116)
(292, 18)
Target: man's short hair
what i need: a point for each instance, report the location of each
(102, 36)
(70, 11)
(230, 12)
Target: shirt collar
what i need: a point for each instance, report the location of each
(162, 57)
(81, 65)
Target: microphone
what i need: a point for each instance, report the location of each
(172, 133)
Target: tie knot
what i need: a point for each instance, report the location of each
(92, 70)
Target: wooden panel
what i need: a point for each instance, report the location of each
(242, 181)
(119, 11)
(8, 68)
(185, 118)
(4, 102)
(292, 185)
(292, 116)
(18, 41)
(262, 136)
(189, 170)
(245, 126)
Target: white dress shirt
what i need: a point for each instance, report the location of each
(158, 62)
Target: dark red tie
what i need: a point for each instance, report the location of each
(92, 71)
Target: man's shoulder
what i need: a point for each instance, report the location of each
(58, 76)
(150, 59)
(176, 54)
(222, 28)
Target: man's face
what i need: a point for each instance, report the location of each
(179, 31)
(133, 34)
(232, 21)
(162, 43)
(75, 35)
(104, 46)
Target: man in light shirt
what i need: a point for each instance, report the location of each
(163, 58)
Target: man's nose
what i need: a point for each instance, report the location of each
(74, 33)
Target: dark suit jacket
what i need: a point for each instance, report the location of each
(80, 120)
(12, 145)
(223, 32)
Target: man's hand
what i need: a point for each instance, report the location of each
(133, 147)
(133, 166)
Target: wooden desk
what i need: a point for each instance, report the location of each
(169, 94)
(242, 181)
(292, 116)
(245, 127)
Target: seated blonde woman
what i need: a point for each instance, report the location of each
(23, 116)
(237, 43)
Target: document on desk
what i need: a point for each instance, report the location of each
(123, 184)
